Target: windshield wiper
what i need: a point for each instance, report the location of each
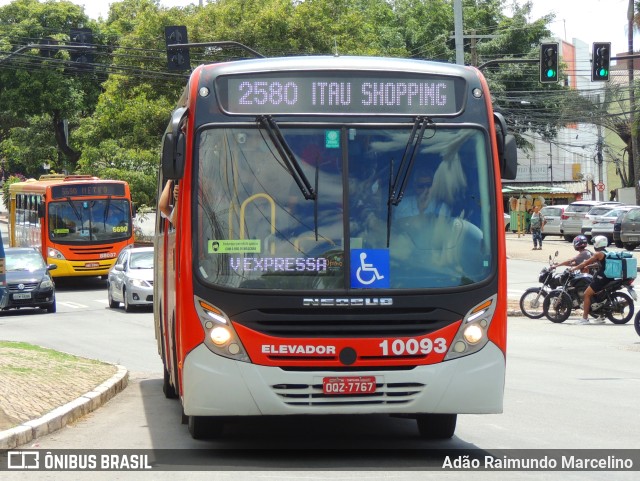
(288, 157)
(398, 184)
(409, 156)
(75, 211)
(106, 212)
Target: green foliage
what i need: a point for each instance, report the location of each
(116, 114)
(5, 188)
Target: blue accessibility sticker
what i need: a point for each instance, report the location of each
(370, 268)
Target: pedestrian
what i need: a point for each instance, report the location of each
(537, 223)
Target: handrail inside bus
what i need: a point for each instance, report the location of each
(253, 198)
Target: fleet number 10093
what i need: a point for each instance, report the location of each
(401, 347)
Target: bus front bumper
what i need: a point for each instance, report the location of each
(80, 268)
(217, 386)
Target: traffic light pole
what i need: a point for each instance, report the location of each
(535, 60)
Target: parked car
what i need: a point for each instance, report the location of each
(507, 220)
(595, 213)
(630, 229)
(617, 226)
(29, 283)
(604, 224)
(553, 216)
(130, 280)
(573, 215)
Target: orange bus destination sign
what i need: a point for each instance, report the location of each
(86, 190)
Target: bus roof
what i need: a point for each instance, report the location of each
(40, 185)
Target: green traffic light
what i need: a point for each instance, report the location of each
(603, 72)
(551, 73)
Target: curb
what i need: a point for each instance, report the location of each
(63, 415)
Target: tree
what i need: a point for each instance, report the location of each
(41, 88)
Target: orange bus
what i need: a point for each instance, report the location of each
(79, 223)
(339, 242)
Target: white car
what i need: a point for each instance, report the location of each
(553, 215)
(130, 280)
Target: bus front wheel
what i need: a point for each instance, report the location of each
(437, 426)
(205, 427)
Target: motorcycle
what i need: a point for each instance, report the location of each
(531, 301)
(611, 302)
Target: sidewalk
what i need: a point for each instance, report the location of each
(42, 390)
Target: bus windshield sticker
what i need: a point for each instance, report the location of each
(332, 139)
(230, 246)
(370, 268)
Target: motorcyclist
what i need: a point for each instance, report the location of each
(580, 244)
(599, 280)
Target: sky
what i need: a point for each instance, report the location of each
(588, 20)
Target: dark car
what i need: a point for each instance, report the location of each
(28, 280)
(630, 229)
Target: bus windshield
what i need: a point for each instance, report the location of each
(82, 221)
(378, 217)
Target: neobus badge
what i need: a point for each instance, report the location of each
(347, 301)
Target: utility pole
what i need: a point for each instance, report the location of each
(457, 26)
(634, 165)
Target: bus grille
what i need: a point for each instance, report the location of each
(312, 395)
(328, 327)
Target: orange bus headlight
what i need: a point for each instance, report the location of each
(473, 333)
(220, 336)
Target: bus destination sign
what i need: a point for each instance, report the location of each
(354, 93)
(85, 190)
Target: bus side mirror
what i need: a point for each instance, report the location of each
(174, 146)
(41, 210)
(507, 148)
(134, 210)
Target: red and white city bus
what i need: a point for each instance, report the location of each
(339, 244)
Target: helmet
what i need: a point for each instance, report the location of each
(580, 242)
(600, 242)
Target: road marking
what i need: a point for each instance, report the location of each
(73, 305)
(102, 301)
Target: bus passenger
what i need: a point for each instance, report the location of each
(164, 203)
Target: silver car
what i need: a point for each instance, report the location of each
(603, 224)
(130, 280)
(553, 215)
(594, 215)
(571, 223)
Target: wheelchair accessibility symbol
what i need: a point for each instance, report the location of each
(370, 268)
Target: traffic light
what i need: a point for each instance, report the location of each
(47, 52)
(177, 58)
(82, 37)
(600, 61)
(548, 63)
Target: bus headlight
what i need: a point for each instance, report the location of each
(473, 333)
(55, 254)
(220, 336)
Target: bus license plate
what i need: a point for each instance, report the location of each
(22, 295)
(92, 264)
(349, 385)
